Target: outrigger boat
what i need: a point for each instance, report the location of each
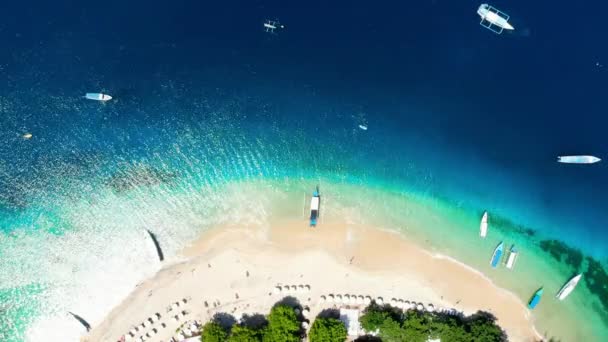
(483, 226)
(512, 257)
(568, 288)
(535, 298)
(497, 255)
(315, 203)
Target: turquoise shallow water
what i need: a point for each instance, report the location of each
(84, 247)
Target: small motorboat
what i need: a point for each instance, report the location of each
(483, 226)
(497, 255)
(512, 257)
(315, 203)
(578, 159)
(98, 97)
(569, 287)
(535, 298)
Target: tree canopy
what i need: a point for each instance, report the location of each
(327, 330)
(283, 325)
(416, 326)
(213, 332)
(240, 333)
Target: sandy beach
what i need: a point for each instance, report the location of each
(235, 270)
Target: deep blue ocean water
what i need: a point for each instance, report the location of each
(453, 110)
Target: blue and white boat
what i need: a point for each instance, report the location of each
(315, 203)
(97, 97)
(497, 255)
(535, 298)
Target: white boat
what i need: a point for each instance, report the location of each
(578, 159)
(494, 19)
(568, 288)
(483, 226)
(271, 25)
(315, 203)
(98, 97)
(512, 258)
(363, 127)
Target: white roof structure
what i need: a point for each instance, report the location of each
(350, 318)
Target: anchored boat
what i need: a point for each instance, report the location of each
(568, 288)
(578, 159)
(497, 255)
(98, 97)
(535, 299)
(315, 203)
(483, 226)
(512, 257)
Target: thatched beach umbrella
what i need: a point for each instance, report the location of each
(306, 312)
(338, 298)
(331, 298)
(420, 307)
(323, 299)
(175, 306)
(393, 302)
(367, 300)
(346, 299)
(360, 300)
(305, 325)
(379, 301)
(430, 307)
(277, 290)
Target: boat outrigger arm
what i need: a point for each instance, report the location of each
(315, 203)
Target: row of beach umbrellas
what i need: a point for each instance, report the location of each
(190, 329)
(366, 300)
(282, 289)
(150, 327)
(347, 299)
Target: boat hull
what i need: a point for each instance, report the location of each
(578, 159)
(535, 299)
(497, 255)
(567, 289)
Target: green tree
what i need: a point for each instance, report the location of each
(240, 333)
(327, 330)
(416, 326)
(483, 328)
(283, 325)
(449, 329)
(213, 332)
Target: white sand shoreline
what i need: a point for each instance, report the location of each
(335, 258)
